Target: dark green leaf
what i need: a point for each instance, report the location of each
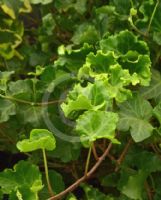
(135, 115)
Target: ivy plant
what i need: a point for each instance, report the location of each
(80, 100)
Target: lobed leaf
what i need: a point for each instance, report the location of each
(39, 139)
(25, 177)
(93, 125)
(134, 115)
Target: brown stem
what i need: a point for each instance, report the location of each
(94, 152)
(111, 157)
(83, 178)
(123, 154)
(148, 191)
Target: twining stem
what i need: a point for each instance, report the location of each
(123, 154)
(47, 174)
(152, 16)
(148, 191)
(83, 178)
(88, 160)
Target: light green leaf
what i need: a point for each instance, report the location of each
(93, 125)
(104, 66)
(71, 196)
(7, 108)
(132, 55)
(134, 115)
(39, 139)
(23, 193)
(24, 177)
(93, 96)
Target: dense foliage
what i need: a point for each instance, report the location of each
(80, 99)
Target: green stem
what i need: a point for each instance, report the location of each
(135, 28)
(88, 160)
(34, 88)
(30, 102)
(152, 16)
(47, 174)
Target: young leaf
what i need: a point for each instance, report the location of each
(93, 125)
(133, 55)
(123, 42)
(135, 114)
(93, 96)
(39, 139)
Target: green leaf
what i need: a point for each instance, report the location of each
(85, 33)
(157, 112)
(57, 184)
(123, 42)
(13, 8)
(104, 66)
(93, 96)
(21, 89)
(71, 58)
(79, 5)
(32, 114)
(9, 40)
(134, 115)
(135, 185)
(144, 160)
(66, 151)
(132, 54)
(92, 193)
(39, 139)
(146, 10)
(93, 125)
(71, 196)
(154, 89)
(24, 177)
(7, 108)
(48, 24)
(4, 78)
(23, 193)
